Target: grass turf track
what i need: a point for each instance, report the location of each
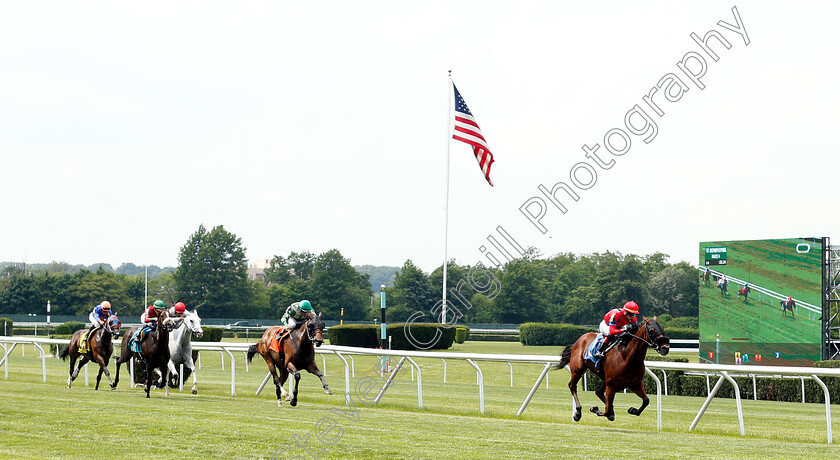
(40, 420)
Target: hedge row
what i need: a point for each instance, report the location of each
(69, 327)
(461, 334)
(367, 335)
(551, 333)
(7, 325)
(682, 333)
(211, 334)
(485, 337)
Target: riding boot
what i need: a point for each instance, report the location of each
(603, 348)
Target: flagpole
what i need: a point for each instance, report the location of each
(446, 205)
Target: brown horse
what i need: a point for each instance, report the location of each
(100, 349)
(155, 353)
(788, 306)
(622, 367)
(297, 351)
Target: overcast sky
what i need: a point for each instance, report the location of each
(319, 125)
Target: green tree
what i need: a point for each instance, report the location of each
(520, 299)
(213, 269)
(412, 290)
(335, 284)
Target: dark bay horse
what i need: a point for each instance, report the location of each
(705, 277)
(723, 285)
(100, 349)
(788, 306)
(155, 353)
(744, 292)
(622, 367)
(296, 352)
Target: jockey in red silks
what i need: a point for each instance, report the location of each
(617, 321)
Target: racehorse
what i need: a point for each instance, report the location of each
(705, 277)
(744, 292)
(622, 367)
(788, 306)
(723, 285)
(180, 348)
(296, 351)
(155, 352)
(99, 351)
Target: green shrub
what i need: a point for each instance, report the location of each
(7, 325)
(682, 333)
(486, 337)
(211, 334)
(461, 333)
(69, 327)
(367, 335)
(551, 333)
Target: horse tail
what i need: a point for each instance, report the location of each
(565, 358)
(64, 352)
(252, 350)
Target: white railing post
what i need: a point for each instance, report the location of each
(262, 385)
(444, 369)
(534, 388)
(43, 359)
(827, 405)
(480, 376)
(232, 372)
(511, 373)
(346, 376)
(658, 397)
(419, 383)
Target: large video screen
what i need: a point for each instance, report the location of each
(745, 314)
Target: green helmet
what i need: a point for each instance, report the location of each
(159, 304)
(305, 305)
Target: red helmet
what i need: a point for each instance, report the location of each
(180, 307)
(631, 307)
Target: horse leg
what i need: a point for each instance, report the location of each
(171, 370)
(82, 361)
(576, 375)
(191, 366)
(313, 369)
(117, 379)
(609, 410)
(600, 394)
(148, 385)
(71, 376)
(278, 383)
(639, 389)
(166, 379)
(292, 370)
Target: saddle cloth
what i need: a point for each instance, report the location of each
(589, 354)
(83, 344)
(274, 344)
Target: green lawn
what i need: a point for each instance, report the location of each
(51, 421)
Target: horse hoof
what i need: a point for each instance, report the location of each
(195, 392)
(327, 391)
(611, 417)
(633, 411)
(576, 417)
(293, 402)
(113, 387)
(279, 403)
(593, 409)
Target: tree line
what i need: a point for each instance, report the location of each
(212, 272)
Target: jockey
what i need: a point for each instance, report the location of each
(178, 310)
(295, 313)
(149, 319)
(99, 315)
(617, 321)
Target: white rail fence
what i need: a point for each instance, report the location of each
(814, 311)
(724, 372)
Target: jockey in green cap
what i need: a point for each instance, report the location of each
(296, 313)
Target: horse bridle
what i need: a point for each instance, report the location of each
(311, 335)
(649, 343)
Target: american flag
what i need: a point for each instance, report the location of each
(467, 131)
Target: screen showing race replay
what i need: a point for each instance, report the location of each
(746, 316)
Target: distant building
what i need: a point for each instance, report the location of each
(256, 271)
